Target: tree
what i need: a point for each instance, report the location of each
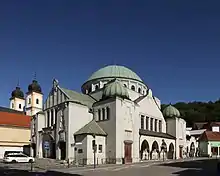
(198, 111)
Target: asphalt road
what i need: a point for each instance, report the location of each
(186, 168)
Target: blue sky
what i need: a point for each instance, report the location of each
(172, 45)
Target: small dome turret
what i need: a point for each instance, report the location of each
(34, 87)
(17, 93)
(115, 89)
(171, 111)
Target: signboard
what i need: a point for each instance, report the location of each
(215, 144)
(46, 145)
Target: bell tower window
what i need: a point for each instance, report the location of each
(19, 106)
(37, 101)
(29, 100)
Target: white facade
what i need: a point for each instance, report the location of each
(124, 130)
(34, 103)
(17, 104)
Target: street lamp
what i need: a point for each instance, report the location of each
(164, 148)
(94, 150)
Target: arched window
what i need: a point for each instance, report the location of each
(12, 105)
(19, 106)
(99, 115)
(103, 114)
(37, 101)
(125, 85)
(96, 87)
(133, 88)
(48, 118)
(52, 118)
(139, 90)
(107, 113)
(29, 100)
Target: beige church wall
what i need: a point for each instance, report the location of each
(133, 95)
(109, 126)
(148, 107)
(127, 128)
(100, 155)
(14, 136)
(76, 116)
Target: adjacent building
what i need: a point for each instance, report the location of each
(14, 131)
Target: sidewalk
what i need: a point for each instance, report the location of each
(115, 166)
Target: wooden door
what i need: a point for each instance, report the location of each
(127, 152)
(181, 152)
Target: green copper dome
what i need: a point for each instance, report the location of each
(114, 71)
(115, 89)
(17, 93)
(34, 87)
(171, 111)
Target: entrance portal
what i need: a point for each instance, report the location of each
(127, 152)
(171, 151)
(63, 150)
(48, 146)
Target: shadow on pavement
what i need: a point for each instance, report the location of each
(16, 172)
(195, 168)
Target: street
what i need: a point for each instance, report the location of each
(180, 168)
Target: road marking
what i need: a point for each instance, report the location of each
(120, 168)
(145, 166)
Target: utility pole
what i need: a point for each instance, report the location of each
(94, 150)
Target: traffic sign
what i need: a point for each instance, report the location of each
(46, 145)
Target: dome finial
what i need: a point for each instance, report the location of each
(35, 75)
(18, 83)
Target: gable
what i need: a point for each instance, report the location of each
(91, 128)
(79, 97)
(55, 97)
(149, 107)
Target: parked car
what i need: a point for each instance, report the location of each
(8, 152)
(17, 158)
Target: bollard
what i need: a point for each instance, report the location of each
(31, 165)
(68, 163)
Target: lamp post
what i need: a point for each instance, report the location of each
(94, 150)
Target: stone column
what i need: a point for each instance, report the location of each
(39, 146)
(144, 122)
(158, 126)
(106, 114)
(153, 124)
(148, 127)
(54, 116)
(31, 151)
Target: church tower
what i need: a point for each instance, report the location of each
(34, 98)
(17, 101)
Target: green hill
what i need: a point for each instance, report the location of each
(198, 111)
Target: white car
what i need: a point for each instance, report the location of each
(17, 158)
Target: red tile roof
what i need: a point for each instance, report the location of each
(15, 119)
(210, 136)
